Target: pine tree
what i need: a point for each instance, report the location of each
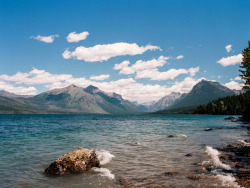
(245, 65)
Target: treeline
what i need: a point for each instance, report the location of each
(231, 105)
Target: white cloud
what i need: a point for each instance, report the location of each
(18, 90)
(129, 88)
(140, 65)
(101, 77)
(46, 39)
(106, 51)
(180, 57)
(154, 74)
(122, 65)
(35, 77)
(149, 69)
(76, 37)
(192, 71)
(184, 86)
(234, 85)
(231, 60)
(66, 54)
(228, 48)
(236, 78)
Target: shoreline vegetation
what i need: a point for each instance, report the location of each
(230, 105)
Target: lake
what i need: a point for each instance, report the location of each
(134, 150)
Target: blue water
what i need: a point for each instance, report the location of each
(142, 148)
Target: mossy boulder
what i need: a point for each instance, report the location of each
(78, 160)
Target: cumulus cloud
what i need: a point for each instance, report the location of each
(234, 85)
(228, 48)
(149, 69)
(180, 57)
(140, 65)
(236, 78)
(35, 77)
(192, 71)
(66, 54)
(122, 65)
(106, 51)
(20, 90)
(129, 88)
(185, 86)
(101, 77)
(76, 37)
(231, 60)
(46, 39)
(154, 74)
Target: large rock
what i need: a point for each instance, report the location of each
(78, 160)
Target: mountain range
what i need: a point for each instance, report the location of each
(165, 102)
(202, 93)
(73, 99)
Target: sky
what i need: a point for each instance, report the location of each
(141, 49)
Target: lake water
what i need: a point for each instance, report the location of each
(134, 150)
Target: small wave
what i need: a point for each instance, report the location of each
(104, 172)
(228, 180)
(181, 135)
(244, 143)
(104, 156)
(214, 154)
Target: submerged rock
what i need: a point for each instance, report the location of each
(170, 173)
(201, 169)
(78, 160)
(189, 155)
(230, 118)
(194, 177)
(123, 181)
(208, 129)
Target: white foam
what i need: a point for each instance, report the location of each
(104, 172)
(228, 181)
(244, 143)
(182, 135)
(214, 154)
(205, 163)
(104, 156)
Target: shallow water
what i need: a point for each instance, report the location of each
(134, 149)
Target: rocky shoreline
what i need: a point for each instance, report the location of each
(237, 156)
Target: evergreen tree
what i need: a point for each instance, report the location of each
(245, 64)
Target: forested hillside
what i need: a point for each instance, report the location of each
(230, 105)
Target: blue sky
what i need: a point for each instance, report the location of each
(129, 46)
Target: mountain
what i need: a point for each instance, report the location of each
(165, 102)
(148, 104)
(75, 99)
(202, 93)
(17, 106)
(142, 107)
(12, 95)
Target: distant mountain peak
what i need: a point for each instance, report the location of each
(72, 86)
(91, 89)
(165, 101)
(174, 93)
(202, 93)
